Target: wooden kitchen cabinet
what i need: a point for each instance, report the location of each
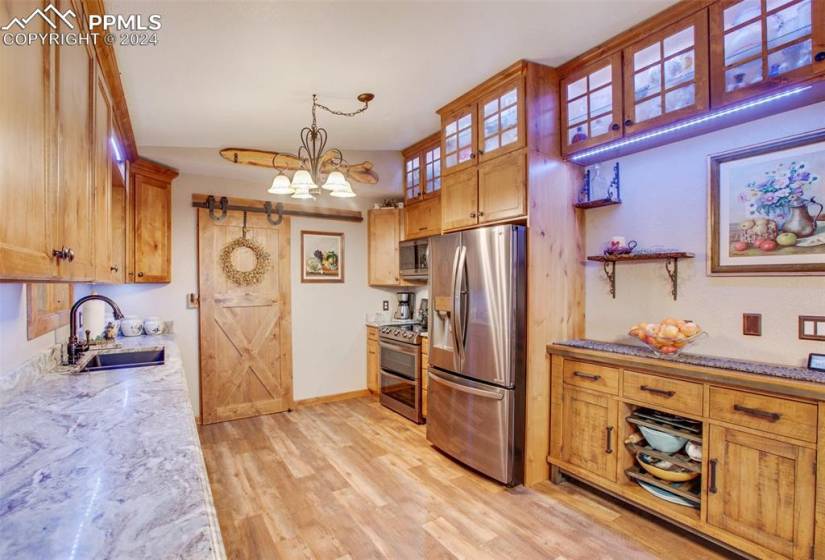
(120, 201)
(591, 105)
(425, 381)
(76, 216)
(501, 118)
(383, 236)
(459, 200)
(666, 75)
(502, 188)
(28, 204)
(760, 489)
(373, 360)
(151, 207)
(760, 436)
(589, 424)
(761, 47)
(458, 139)
(423, 219)
(105, 268)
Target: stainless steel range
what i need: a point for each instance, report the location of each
(400, 375)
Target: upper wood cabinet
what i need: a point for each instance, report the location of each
(458, 139)
(119, 218)
(760, 45)
(105, 268)
(459, 200)
(151, 185)
(383, 236)
(423, 219)
(591, 104)
(74, 71)
(501, 120)
(502, 188)
(28, 204)
(666, 75)
(422, 169)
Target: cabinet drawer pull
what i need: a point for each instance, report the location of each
(609, 445)
(764, 414)
(588, 376)
(712, 477)
(424, 228)
(655, 391)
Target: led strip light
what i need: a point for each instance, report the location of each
(687, 124)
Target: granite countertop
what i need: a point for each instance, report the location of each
(745, 366)
(384, 323)
(104, 465)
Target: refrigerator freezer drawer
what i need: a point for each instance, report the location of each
(472, 422)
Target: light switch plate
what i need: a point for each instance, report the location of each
(812, 327)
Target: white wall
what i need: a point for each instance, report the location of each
(14, 347)
(664, 194)
(329, 337)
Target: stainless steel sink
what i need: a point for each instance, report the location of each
(131, 359)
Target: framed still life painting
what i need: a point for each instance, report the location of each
(322, 255)
(766, 208)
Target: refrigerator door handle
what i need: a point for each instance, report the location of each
(458, 301)
(497, 394)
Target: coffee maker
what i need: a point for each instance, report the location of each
(404, 311)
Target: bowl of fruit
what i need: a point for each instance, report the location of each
(669, 337)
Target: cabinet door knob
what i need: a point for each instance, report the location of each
(628, 122)
(615, 126)
(480, 214)
(64, 253)
(140, 275)
(472, 214)
(481, 152)
(113, 268)
(820, 56)
(473, 156)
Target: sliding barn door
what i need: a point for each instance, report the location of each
(245, 331)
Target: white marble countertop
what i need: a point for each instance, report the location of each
(105, 465)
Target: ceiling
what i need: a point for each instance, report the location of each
(243, 73)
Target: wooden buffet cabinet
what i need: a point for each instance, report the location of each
(762, 482)
(373, 360)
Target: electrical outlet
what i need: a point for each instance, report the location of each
(386, 305)
(752, 324)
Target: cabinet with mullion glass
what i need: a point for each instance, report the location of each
(592, 104)
(458, 145)
(501, 114)
(666, 75)
(758, 46)
(422, 169)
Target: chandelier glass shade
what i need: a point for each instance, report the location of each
(314, 156)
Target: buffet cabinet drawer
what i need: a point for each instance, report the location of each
(770, 414)
(591, 376)
(675, 394)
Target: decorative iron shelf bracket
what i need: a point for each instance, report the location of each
(671, 259)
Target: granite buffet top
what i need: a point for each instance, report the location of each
(104, 465)
(745, 366)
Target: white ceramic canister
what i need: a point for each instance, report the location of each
(152, 325)
(131, 325)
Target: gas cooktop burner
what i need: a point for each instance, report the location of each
(409, 333)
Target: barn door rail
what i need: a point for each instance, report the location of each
(220, 206)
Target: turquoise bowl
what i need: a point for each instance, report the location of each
(662, 441)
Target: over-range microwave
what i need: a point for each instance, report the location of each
(414, 259)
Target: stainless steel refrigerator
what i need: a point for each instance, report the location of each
(476, 378)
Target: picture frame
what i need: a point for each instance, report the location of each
(322, 257)
(765, 208)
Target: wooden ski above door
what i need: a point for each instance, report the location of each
(245, 330)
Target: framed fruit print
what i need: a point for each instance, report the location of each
(766, 212)
(322, 254)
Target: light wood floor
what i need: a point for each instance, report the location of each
(354, 480)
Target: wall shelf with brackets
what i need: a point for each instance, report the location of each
(612, 193)
(670, 258)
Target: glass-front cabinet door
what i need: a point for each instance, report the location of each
(591, 108)
(412, 178)
(666, 75)
(432, 170)
(764, 45)
(458, 144)
(501, 118)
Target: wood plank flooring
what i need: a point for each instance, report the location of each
(354, 480)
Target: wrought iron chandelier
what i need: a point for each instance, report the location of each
(315, 158)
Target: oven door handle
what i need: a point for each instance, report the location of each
(497, 394)
(411, 350)
(399, 377)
